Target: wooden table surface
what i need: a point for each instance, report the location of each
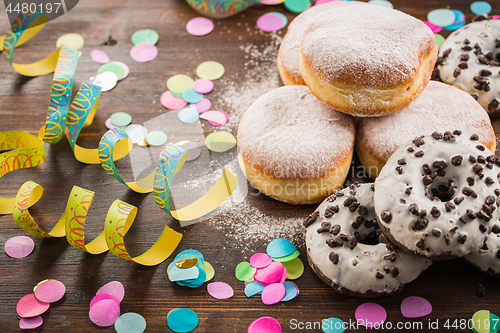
(242, 227)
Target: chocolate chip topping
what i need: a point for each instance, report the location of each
(421, 244)
(325, 227)
(352, 242)
(436, 232)
(399, 169)
(447, 239)
(497, 192)
(456, 160)
(427, 180)
(495, 229)
(335, 229)
(490, 200)
(419, 153)
(437, 136)
(470, 214)
(418, 141)
(481, 159)
(475, 96)
(458, 200)
(410, 149)
(462, 239)
(469, 192)
(386, 216)
(484, 72)
(395, 272)
(311, 219)
(419, 224)
(355, 225)
(477, 169)
(379, 275)
(427, 169)
(408, 190)
(446, 53)
(493, 105)
(413, 208)
(448, 136)
(470, 181)
(435, 213)
(331, 210)
(402, 161)
(466, 48)
(334, 257)
(482, 228)
(391, 257)
(457, 72)
(353, 207)
(472, 159)
(463, 65)
(363, 210)
(349, 201)
(474, 137)
(449, 206)
(480, 147)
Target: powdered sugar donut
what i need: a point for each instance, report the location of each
(340, 239)
(438, 106)
(436, 195)
(367, 60)
(294, 148)
(487, 259)
(469, 60)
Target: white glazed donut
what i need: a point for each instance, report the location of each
(487, 258)
(436, 195)
(469, 59)
(338, 238)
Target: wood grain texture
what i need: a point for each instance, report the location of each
(450, 286)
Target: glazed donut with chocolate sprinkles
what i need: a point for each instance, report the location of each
(487, 259)
(438, 106)
(436, 195)
(347, 250)
(469, 59)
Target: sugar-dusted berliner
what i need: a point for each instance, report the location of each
(367, 60)
(293, 148)
(289, 51)
(438, 107)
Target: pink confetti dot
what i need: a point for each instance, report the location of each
(273, 293)
(49, 291)
(144, 52)
(319, 2)
(29, 306)
(19, 246)
(30, 323)
(203, 86)
(100, 297)
(114, 288)
(171, 102)
(260, 260)
(216, 118)
(264, 325)
(370, 315)
(99, 57)
(270, 274)
(270, 22)
(415, 307)
(199, 26)
(435, 29)
(202, 106)
(220, 290)
(104, 313)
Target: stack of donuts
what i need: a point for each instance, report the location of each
(357, 78)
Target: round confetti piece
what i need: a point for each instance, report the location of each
(191, 96)
(441, 17)
(195, 283)
(291, 291)
(271, 2)
(270, 22)
(30, 306)
(216, 123)
(370, 315)
(49, 291)
(382, 3)
(202, 106)
(183, 274)
(270, 274)
(105, 80)
(260, 260)
(188, 115)
(182, 320)
(333, 325)
(99, 57)
(459, 16)
(480, 7)
(199, 26)
(455, 26)
(114, 288)
(109, 125)
(298, 291)
(297, 6)
(104, 313)
(192, 148)
(434, 28)
(186, 263)
(209, 270)
(254, 288)
(280, 247)
(126, 70)
(220, 290)
(220, 142)
(100, 297)
(273, 293)
(156, 138)
(177, 95)
(177, 84)
(439, 39)
(74, 41)
(144, 52)
(30, 323)
(244, 271)
(120, 119)
(190, 253)
(479, 319)
(130, 322)
(171, 102)
(294, 268)
(415, 307)
(210, 70)
(495, 17)
(145, 36)
(203, 86)
(264, 325)
(216, 118)
(111, 67)
(136, 133)
(319, 2)
(19, 246)
(289, 257)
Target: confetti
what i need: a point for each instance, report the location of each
(199, 26)
(186, 263)
(210, 70)
(202, 106)
(216, 118)
(130, 322)
(30, 306)
(100, 297)
(136, 133)
(195, 283)
(273, 293)
(104, 313)
(110, 125)
(264, 325)
(415, 307)
(441, 17)
(171, 102)
(177, 84)
(220, 141)
(114, 288)
(297, 6)
(382, 3)
(370, 315)
(455, 26)
(209, 270)
(220, 290)
(112, 67)
(226, 117)
(280, 247)
(254, 288)
(145, 36)
(30, 323)
(49, 291)
(289, 257)
(126, 70)
(435, 29)
(480, 7)
(182, 320)
(294, 268)
(19, 246)
(156, 138)
(319, 2)
(495, 17)
(99, 57)
(203, 86)
(273, 21)
(192, 148)
(333, 325)
(180, 274)
(74, 41)
(291, 291)
(191, 96)
(439, 39)
(244, 271)
(478, 321)
(105, 80)
(144, 52)
(188, 115)
(260, 260)
(270, 274)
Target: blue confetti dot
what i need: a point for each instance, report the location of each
(280, 247)
(480, 7)
(333, 325)
(182, 320)
(459, 16)
(195, 283)
(454, 26)
(188, 115)
(441, 17)
(130, 323)
(191, 96)
(290, 291)
(254, 288)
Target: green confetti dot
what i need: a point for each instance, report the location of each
(179, 83)
(439, 39)
(120, 119)
(145, 36)
(244, 271)
(112, 67)
(297, 6)
(209, 270)
(156, 138)
(294, 269)
(288, 257)
(210, 70)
